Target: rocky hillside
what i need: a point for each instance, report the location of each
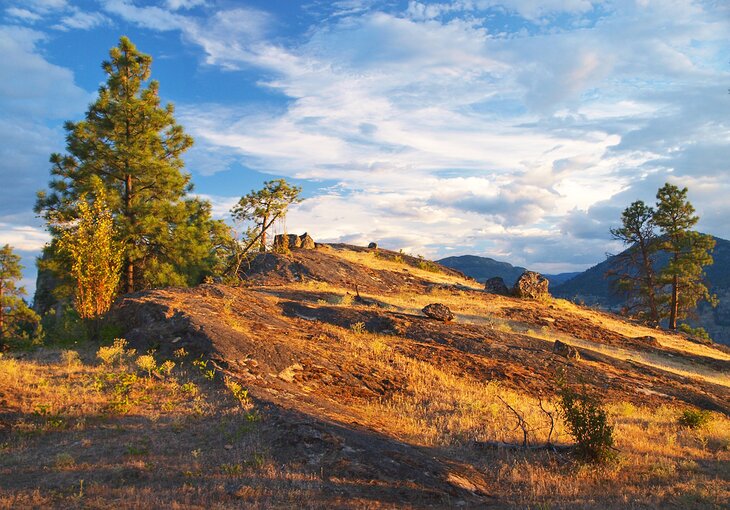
(592, 288)
(359, 400)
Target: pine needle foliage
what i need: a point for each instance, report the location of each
(133, 143)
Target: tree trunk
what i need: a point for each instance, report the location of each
(129, 263)
(649, 272)
(675, 303)
(264, 228)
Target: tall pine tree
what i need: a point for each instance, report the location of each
(134, 145)
(633, 272)
(689, 252)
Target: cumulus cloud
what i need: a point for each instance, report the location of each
(517, 129)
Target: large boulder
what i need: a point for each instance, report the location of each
(565, 350)
(496, 285)
(439, 312)
(373, 246)
(306, 242)
(531, 285)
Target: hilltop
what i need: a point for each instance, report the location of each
(320, 383)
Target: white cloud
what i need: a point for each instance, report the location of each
(81, 20)
(23, 237)
(155, 18)
(547, 125)
(22, 14)
(184, 4)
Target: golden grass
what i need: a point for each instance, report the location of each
(673, 365)
(659, 459)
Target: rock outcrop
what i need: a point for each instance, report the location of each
(285, 242)
(439, 312)
(496, 285)
(531, 285)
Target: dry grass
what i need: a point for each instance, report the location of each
(372, 260)
(95, 434)
(478, 309)
(99, 435)
(628, 329)
(660, 461)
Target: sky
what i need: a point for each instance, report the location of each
(514, 129)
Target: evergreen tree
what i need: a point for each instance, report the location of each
(689, 252)
(263, 208)
(15, 316)
(134, 145)
(634, 269)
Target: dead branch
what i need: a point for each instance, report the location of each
(521, 423)
(552, 422)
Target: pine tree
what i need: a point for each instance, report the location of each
(634, 269)
(264, 207)
(15, 316)
(134, 145)
(96, 257)
(689, 252)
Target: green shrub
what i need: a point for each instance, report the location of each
(587, 423)
(427, 265)
(698, 333)
(694, 419)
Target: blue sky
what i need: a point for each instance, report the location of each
(516, 129)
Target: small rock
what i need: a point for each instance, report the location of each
(373, 246)
(648, 340)
(439, 312)
(228, 446)
(496, 285)
(565, 350)
(289, 372)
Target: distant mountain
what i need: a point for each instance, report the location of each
(592, 288)
(483, 268)
(560, 278)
